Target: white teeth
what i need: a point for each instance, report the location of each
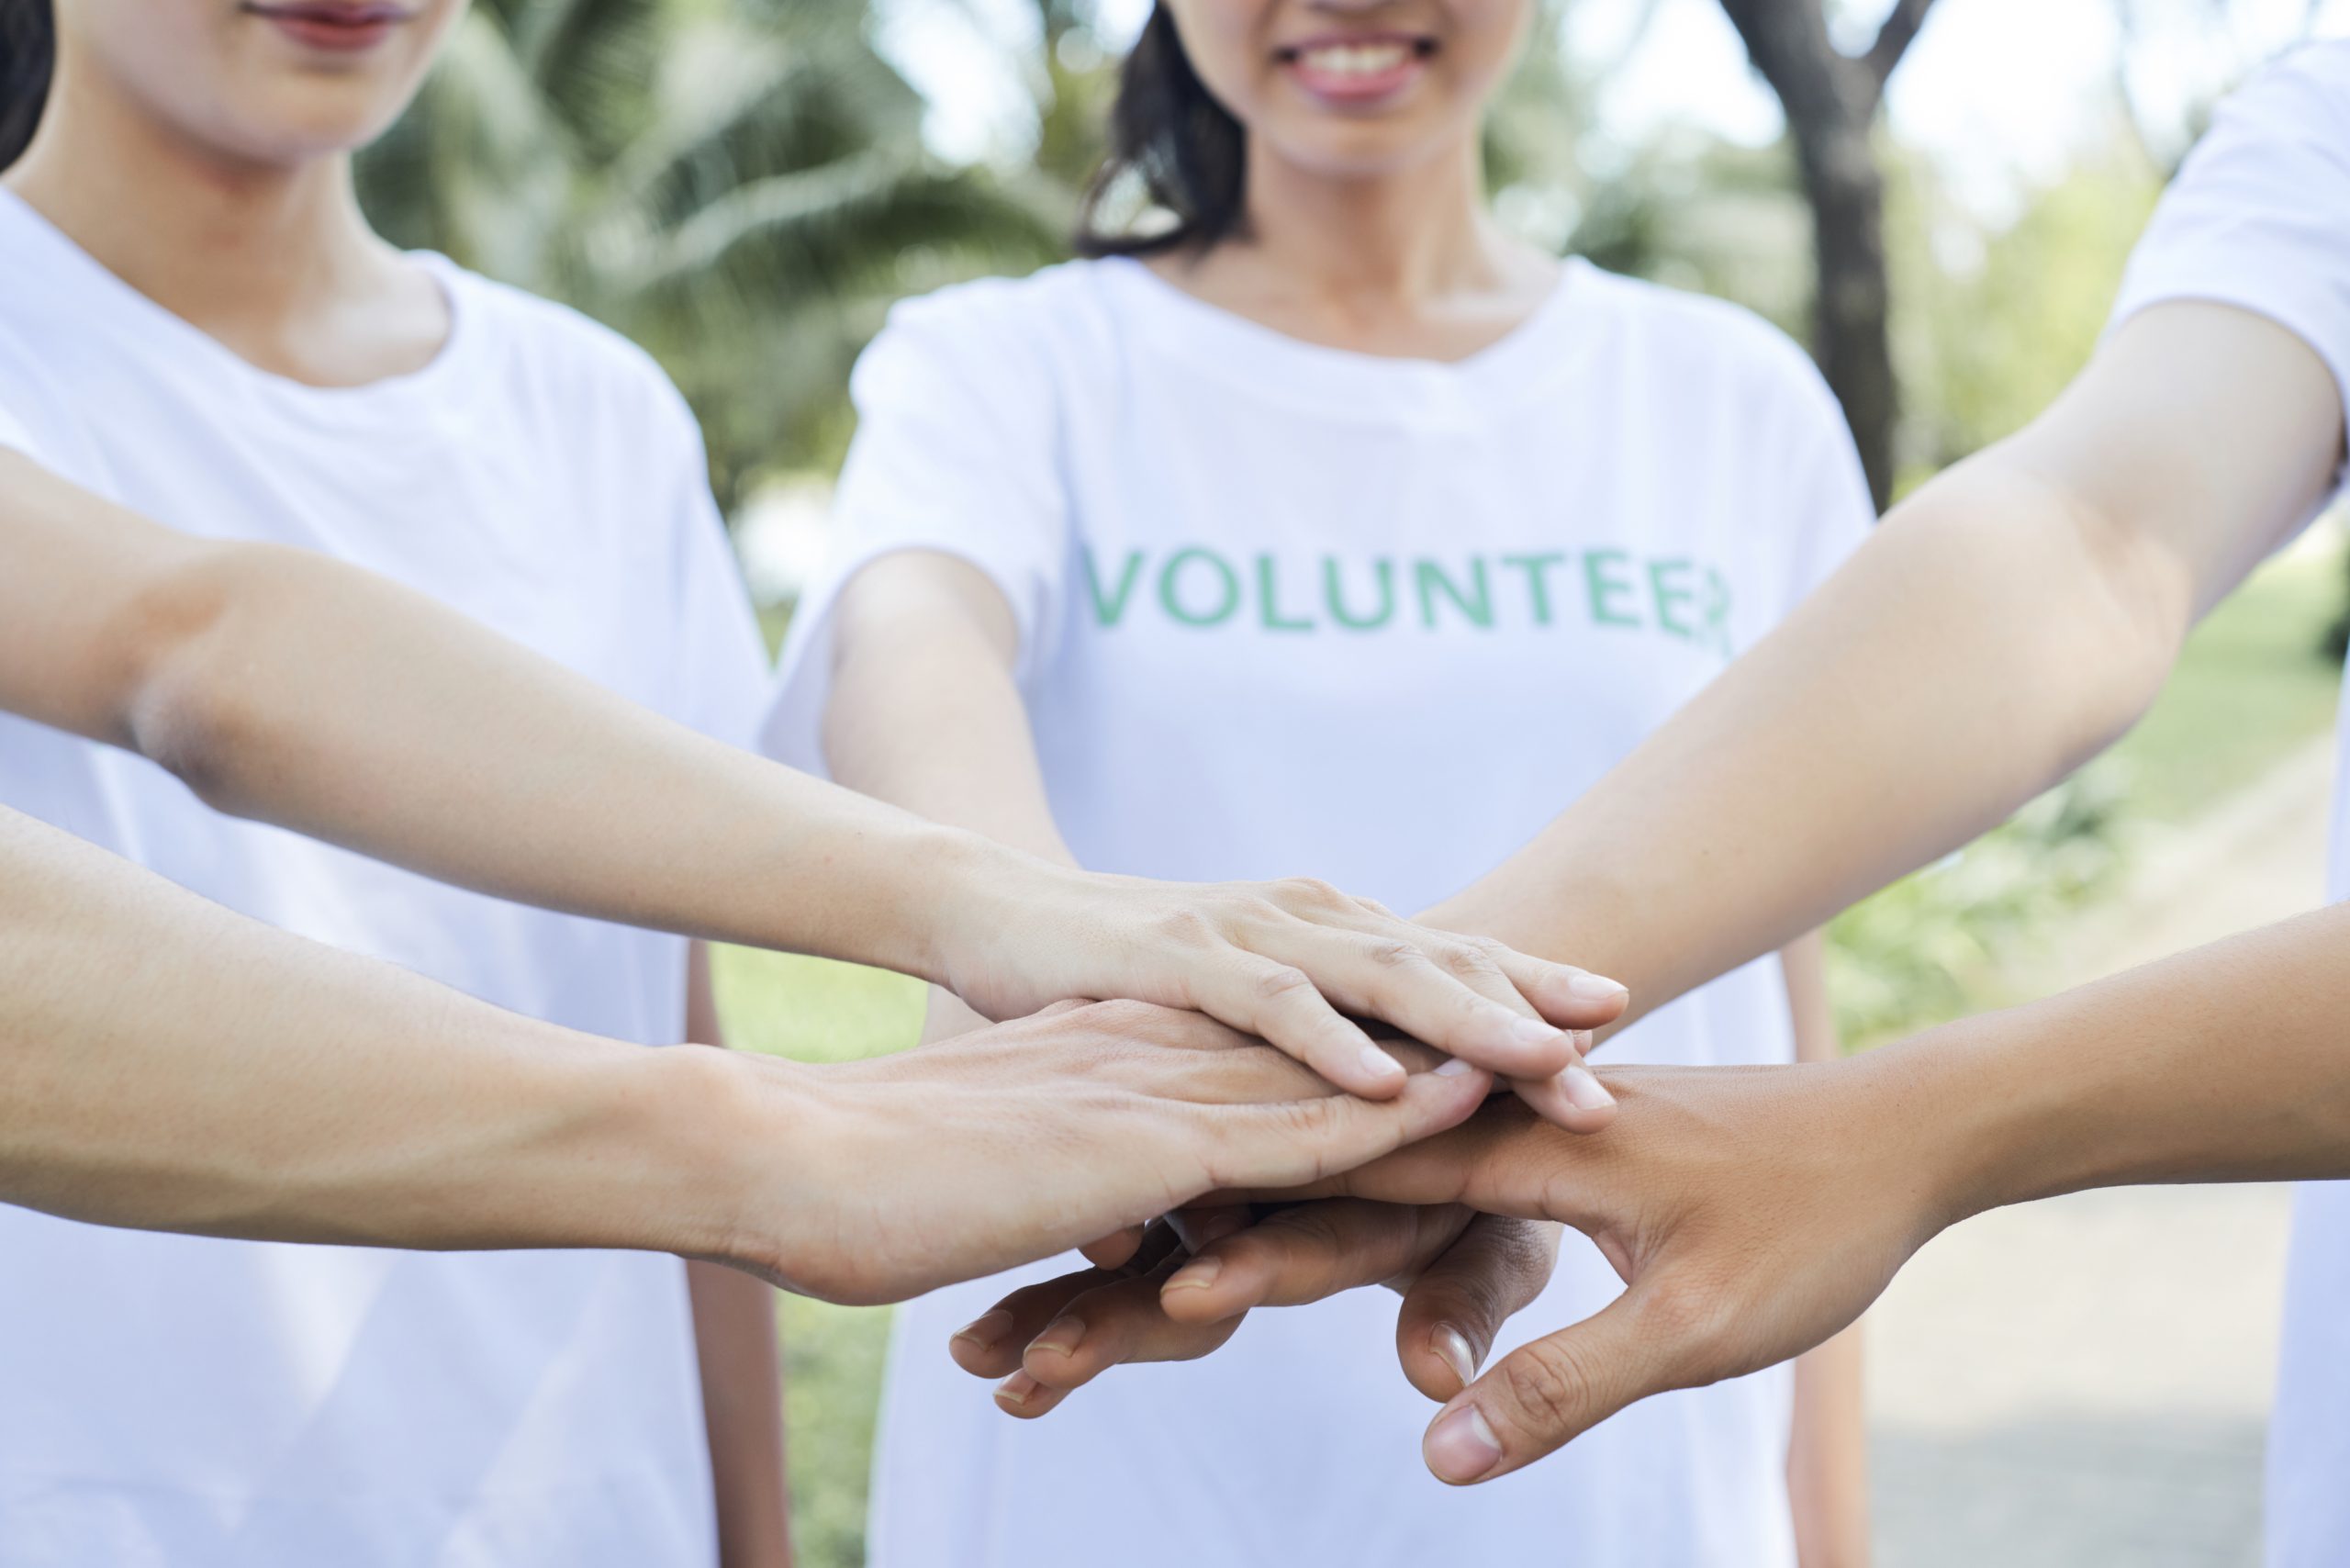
(1354, 59)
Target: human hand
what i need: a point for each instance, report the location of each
(1462, 1274)
(1020, 1140)
(1752, 1213)
(1285, 961)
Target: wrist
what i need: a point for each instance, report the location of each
(1977, 1124)
(982, 893)
(727, 1141)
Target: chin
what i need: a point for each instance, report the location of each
(1359, 149)
(310, 120)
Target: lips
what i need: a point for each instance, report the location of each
(1358, 68)
(337, 27)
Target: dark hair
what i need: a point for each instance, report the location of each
(28, 51)
(1170, 133)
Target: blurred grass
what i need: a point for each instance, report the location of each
(2250, 688)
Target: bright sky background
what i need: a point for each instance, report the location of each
(1993, 90)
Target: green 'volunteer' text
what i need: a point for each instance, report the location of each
(1607, 588)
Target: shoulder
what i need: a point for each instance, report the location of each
(1048, 319)
(2282, 139)
(564, 353)
(1040, 303)
(1685, 341)
(2300, 98)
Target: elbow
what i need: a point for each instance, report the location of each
(185, 638)
(2094, 608)
(2135, 606)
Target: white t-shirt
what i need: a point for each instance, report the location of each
(1284, 609)
(2259, 218)
(202, 1404)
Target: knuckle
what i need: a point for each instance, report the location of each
(1187, 927)
(1282, 982)
(1687, 1313)
(1548, 1385)
(1394, 953)
(1311, 893)
(1462, 961)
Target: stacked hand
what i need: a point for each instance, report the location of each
(1752, 1214)
(977, 1154)
(1286, 962)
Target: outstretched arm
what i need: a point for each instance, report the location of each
(924, 713)
(1998, 629)
(166, 1064)
(1753, 1214)
(287, 687)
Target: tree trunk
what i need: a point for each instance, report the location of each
(1851, 335)
(1831, 99)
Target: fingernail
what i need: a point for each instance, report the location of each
(1452, 1347)
(1196, 1275)
(1585, 1092)
(982, 1332)
(1461, 1447)
(1533, 1032)
(1061, 1336)
(1017, 1390)
(1379, 1064)
(1454, 1068)
(1595, 988)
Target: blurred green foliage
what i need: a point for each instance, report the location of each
(739, 185)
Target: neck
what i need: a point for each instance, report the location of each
(236, 247)
(1405, 238)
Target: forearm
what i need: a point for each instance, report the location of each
(168, 1065)
(925, 714)
(1828, 1469)
(2223, 1064)
(287, 687)
(2004, 625)
(925, 711)
(1969, 655)
(741, 1400)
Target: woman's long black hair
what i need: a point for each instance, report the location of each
(27, 52)
(1187, 150)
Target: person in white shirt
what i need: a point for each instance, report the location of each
(200, 330)
(1320, 525)
(2006, 622)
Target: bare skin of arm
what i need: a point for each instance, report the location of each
(925, 714)
(741, 1376)
(287, 687)
(168, 1065)
(1828, 1450)
(2003, 624)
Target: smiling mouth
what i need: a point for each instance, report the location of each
(1361, 70)
(1345, 57)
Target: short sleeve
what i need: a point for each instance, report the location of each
(722, 676)
(956, 451)
(18, 383)
(2260, 216)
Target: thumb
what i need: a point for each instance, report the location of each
(1456, 1307)
(1542, 1394)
